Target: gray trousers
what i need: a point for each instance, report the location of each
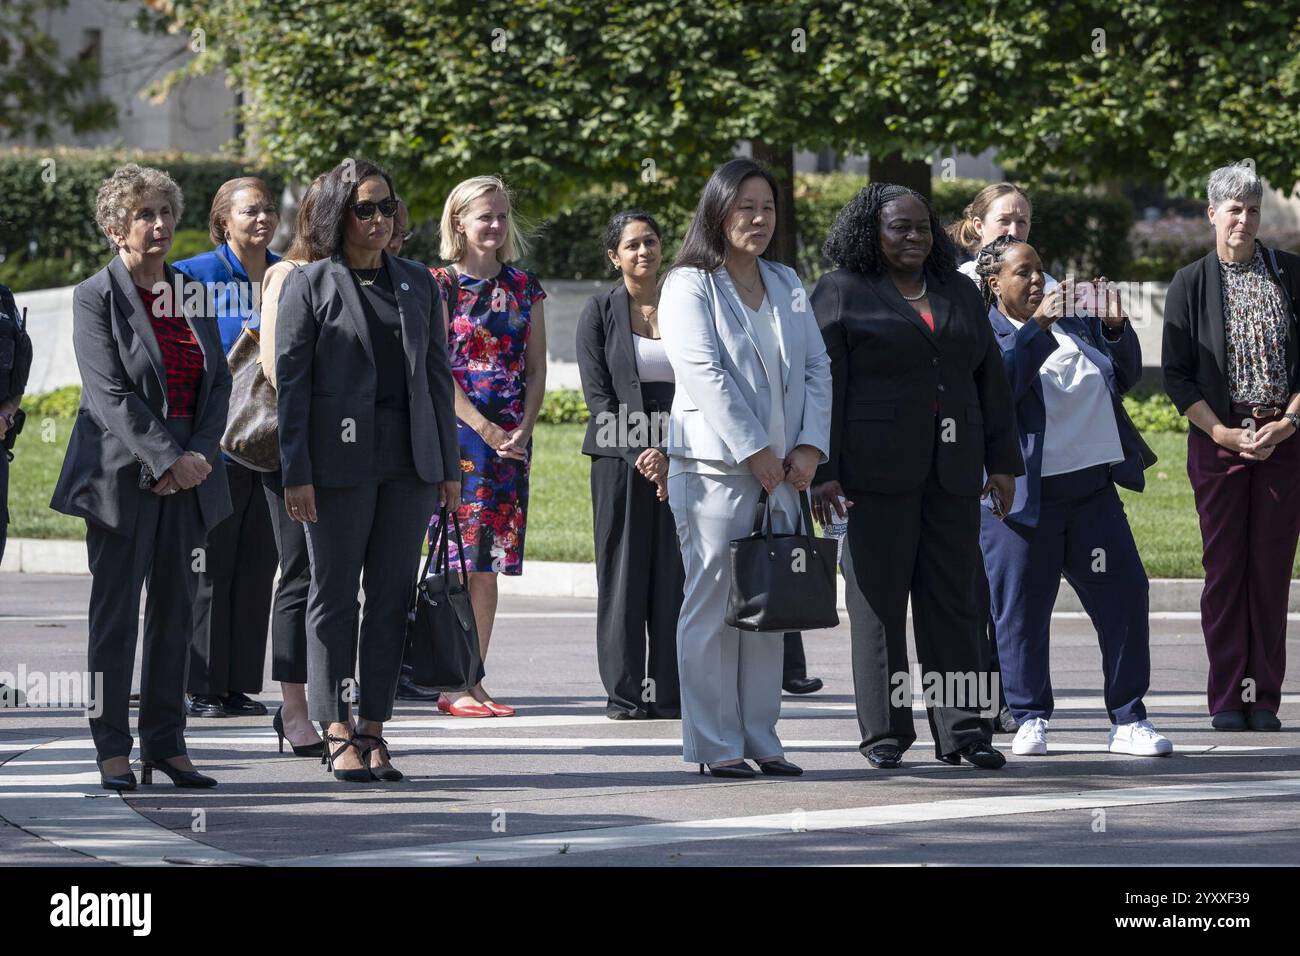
(730, 681)
(159, 551)
(370, 531)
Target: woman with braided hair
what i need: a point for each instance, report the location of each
(1068, 374)
(921, 413)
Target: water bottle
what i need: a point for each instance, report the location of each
(838, 527)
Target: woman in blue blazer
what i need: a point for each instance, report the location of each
(232, 606)
(1067, 375)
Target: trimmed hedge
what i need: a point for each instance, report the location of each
(49, 237)
(49, 213)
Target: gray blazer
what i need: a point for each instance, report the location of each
(325, 372)
(720, 407)
(121, 421)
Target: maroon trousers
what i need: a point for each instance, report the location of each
(1250, 520)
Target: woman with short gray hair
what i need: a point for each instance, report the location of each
(1231, 366)
(144, 469)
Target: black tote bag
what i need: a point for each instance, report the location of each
(443, 638)
(782, 582)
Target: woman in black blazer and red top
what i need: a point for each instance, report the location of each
(144, 469)
(922, 411)
(1230, 365)
(629, 388)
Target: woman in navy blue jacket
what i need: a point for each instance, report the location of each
(1067, 374)
(232, 605)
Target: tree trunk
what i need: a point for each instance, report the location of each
(785, 241)
(912, 173)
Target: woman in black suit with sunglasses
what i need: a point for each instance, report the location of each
(368, 450)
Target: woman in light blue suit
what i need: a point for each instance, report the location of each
(751, 412)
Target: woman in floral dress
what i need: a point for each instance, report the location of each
(497, 346)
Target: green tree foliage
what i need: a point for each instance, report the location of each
(561, 96)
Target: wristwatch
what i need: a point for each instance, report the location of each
(1294, 419)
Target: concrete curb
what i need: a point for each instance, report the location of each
(568, 579)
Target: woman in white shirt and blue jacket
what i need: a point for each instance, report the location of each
(751, 411)
(1067, 376)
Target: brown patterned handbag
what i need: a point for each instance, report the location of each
(252, 429)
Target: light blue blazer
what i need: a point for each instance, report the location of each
(720, 408)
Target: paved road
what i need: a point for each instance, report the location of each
(560, 784)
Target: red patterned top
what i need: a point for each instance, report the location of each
(182, 358)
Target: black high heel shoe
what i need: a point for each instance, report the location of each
(357, 775)
(734, 771)
(117, 781)
(306, 750)
(780, 768)
(389, 774)
(185, 779)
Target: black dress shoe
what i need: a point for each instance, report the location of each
(780, 768)
(617, 713)
(980, 754)
(1264, 720)
(241, 705)
(1229, 720)
(408, 689)
(802, 685)
(950, 759)
(885, 756)
(733, 771)
(204, 705)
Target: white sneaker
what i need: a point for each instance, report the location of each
(1139, 739)
(1031, 738)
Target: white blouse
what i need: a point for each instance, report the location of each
(652, 363)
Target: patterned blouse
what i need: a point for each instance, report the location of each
(1255, 323)
(181, 354)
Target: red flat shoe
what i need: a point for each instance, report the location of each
(472, 710)
(499, 710)
(444, 704)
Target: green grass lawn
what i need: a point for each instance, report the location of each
(559, 520)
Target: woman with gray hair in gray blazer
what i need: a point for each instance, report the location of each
(144, 469)
(751, 413)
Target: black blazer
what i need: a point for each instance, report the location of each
(607, 364)
(1194, 357)
(325, 376)
(121, 420)
(888, 372)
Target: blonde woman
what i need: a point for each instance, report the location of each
(496, 341)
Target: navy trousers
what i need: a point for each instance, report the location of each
(1082, 533)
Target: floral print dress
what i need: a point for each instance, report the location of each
(486, 343)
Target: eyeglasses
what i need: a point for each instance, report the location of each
(365, 211)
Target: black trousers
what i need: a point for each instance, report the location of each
(233, 601)
(370, 531)
(4, 501)
(924, 544)
(158, 551)
(639, 577)
(794, 665)
(289, 605)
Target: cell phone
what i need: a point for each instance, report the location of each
(999, 510)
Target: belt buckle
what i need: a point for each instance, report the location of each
(1264, 411)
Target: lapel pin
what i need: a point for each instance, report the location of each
(405, 287)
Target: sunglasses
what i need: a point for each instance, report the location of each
(365, 211)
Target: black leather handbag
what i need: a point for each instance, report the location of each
(782, 582)
(442, 636)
